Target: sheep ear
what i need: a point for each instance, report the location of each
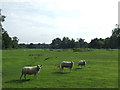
(40, 65)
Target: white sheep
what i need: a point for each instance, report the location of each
(66, 64)
(30, 70)
(82, 63)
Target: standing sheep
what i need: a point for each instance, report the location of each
(30, 70)
(81, 63)
(67, 65)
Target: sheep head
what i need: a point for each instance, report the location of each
(38, 67)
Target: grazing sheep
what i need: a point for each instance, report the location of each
(67, 65)
(30, 70)
(82, 63)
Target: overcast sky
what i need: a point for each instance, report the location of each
(40, 21)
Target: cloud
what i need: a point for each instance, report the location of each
(44, 20)
(15, 1)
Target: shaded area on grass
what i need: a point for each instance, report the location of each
(61, 72)
(17, 81)
(78, 68)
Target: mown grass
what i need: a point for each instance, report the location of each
(101, 70)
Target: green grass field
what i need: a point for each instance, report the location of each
(101, 70)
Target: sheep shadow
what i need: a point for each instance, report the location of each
(61, 72)
(78, 68)
(18, 81)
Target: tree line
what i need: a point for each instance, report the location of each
(112, 42)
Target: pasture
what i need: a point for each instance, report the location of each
(101, 70)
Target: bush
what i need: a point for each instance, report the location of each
(81, 49)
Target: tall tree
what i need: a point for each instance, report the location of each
(107, 43)
(15, 42)
(81, 43)
(6, 40)
(2, 19)
(96, 43)
(56, 43)
(115, 38)
(65, 42)
(72, 43)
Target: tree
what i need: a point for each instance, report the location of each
(6, 40)
(115, 38)
(72, 43)
(107, 43)
(15, 42)
(56, 43)
(2, 19)
(31, 45)
(81, 43)
(85, 45)
(96, 43)
(66, 43)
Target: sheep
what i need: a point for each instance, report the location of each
(30, 70)
(81, 63)
(67, 65)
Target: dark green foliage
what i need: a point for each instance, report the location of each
(68, 43)
(15, 42)
(22, 45)
(81, 43)
(65, 43)
(96, 43)
(31, 45)
(81, 49)
(56, 43)
(8, 42)
(110, 42)
(115, 38)
(107, 43)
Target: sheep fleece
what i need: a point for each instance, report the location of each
(30, 70)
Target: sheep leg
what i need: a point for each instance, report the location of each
(25, 76)
(79, 66)
(70, 69)
(62, 69)
(21, 76)
(35, 76)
